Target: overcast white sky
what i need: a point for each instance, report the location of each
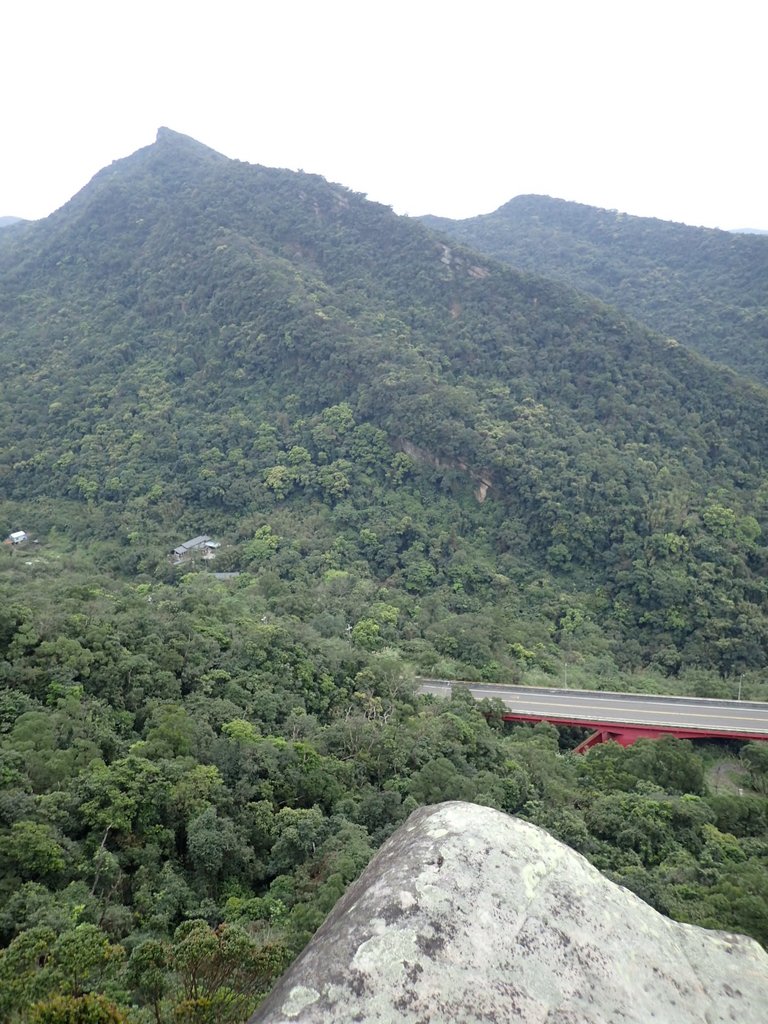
(654, 108)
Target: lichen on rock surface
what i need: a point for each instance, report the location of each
(467, 915)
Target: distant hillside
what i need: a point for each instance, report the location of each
(706, 288)
(7, 221)
(196, 344)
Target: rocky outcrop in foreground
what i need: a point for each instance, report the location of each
(467, 915)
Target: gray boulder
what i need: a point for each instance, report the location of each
(467, 915)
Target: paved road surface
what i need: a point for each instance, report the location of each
(621, 708)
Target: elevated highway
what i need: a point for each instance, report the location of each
(623, 717)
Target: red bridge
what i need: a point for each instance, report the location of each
(621, 717)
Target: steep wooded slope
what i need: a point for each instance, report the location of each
(196, 339)
(708, 289)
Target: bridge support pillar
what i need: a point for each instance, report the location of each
(625, 736)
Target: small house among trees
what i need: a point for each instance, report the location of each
(198, 547)
(17, 537)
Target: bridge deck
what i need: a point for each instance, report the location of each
(595, 709)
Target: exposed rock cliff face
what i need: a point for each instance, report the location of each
(467, 915)
(481, 478)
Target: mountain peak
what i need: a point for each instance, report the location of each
(174, 147)
(168, 138)
(164, 133)
(171, 162)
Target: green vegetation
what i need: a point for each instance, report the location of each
(186, 789)
(196, 344)
(705, 288)
(417, 461)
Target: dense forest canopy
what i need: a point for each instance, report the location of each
(415, 459)
(706, 288)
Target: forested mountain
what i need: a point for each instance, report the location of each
(416, 459)
(706, 288)
(195, 342)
